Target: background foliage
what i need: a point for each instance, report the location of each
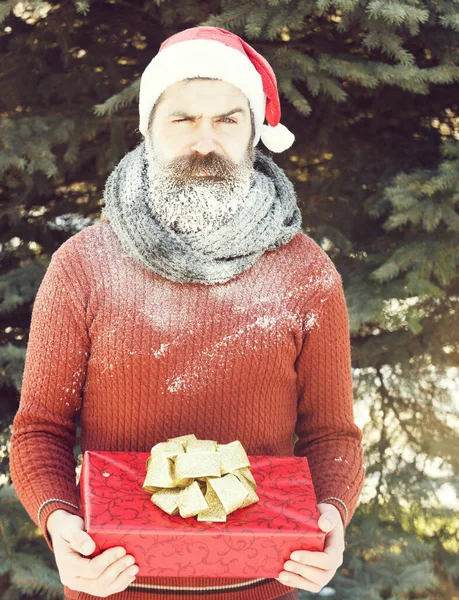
(371, 90)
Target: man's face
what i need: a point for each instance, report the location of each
(200, 154)
(202, 118)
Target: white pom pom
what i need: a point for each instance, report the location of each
(276, 139)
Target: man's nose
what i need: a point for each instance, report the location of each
(205, 139)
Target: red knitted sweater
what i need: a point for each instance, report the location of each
(141, 359)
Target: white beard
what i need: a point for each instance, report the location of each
(188, 204)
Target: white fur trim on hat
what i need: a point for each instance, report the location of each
(278, 138)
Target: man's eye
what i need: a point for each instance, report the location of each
(180, 120)
(228, 119)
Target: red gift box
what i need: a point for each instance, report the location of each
(255, 541)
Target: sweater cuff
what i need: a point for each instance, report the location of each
(48, 507)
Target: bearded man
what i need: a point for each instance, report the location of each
(197, 305)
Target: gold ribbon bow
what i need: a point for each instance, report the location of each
(199, 477)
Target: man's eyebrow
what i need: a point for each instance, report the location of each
(182, 113)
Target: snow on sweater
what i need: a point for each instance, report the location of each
(140, 359)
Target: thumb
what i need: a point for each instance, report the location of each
(327, 521)
(329, 518)
(82, 542)
(325, 524)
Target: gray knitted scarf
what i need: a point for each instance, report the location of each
(268, 219)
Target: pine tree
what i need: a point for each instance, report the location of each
(370, 89)
(27, 566)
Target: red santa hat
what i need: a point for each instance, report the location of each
(218, 54)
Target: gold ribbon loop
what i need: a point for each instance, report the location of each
(199, 478)
(197, 464)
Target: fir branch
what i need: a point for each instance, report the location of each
(450, 20)
(349, 69)
(396, 13)
(277, 3)
(390, 44)
(82, 6)
(404, 426)
(389, 270)
(119, 101)
(255, 22)
(5, 539)
(231, 18)
(296, 63)
(6, 8)
(294, 96)
(382, 446)
(35, 577)
(319, 81)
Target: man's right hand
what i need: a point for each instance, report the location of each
(108, 573)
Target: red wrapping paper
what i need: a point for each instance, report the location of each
(255, 541)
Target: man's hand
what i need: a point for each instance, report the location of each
(108, 573)
(311, 571)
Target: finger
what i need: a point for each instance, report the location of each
(94, 567)
(313, 574)
(115, 578)
(111, 573)
(122, 582)
(321, 560)
(325, 524)
(329, 521)
(69, 561)
(73, 567)
(299, 582)
(80, 541)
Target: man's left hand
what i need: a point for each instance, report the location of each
(311, 571)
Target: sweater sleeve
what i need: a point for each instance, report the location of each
(42, 461)
(327, 433)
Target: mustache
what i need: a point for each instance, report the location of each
(218, 167)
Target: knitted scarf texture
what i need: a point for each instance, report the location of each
(269, 218)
